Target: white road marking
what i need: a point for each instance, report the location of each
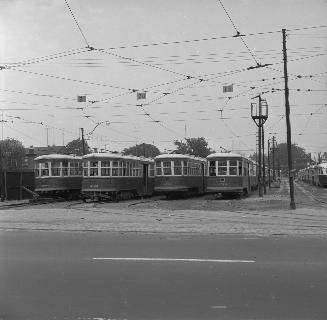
(177, 260)
(219, 307)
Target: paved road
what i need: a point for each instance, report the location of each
(53, 275)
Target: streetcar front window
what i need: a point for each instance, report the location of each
(222, 167)
(233, 167)
(167, 168)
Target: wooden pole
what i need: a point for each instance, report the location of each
(288, 126)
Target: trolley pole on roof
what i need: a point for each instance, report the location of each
(288, 127)
(259, 117)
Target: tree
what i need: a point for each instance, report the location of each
(143, 149)
(301, 159)
(76, 147)
(194, 146)
(12, 154)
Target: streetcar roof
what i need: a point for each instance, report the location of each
(56, 156)
(322, 165)
(224, 155)
(179, 156)
(115, 156)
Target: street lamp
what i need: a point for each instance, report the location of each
(259, 114)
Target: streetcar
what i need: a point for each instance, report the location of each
(320, 175)
(179, 175)
(58, 175)
(111, 176)
(314, 174)
(230, 174)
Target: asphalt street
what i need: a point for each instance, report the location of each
(99, 275)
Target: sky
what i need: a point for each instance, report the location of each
(181, 53)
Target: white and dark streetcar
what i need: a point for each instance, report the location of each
(116, 177)
(314, 174)
(58, 175)
(230, 174)
(179, 175)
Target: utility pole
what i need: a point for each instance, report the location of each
(83, 142)
(2, 194)
(2, 122)
(47, 128)
(288, 126)
(273, 157)
(259, 119)
(264, 104)
(269, 163)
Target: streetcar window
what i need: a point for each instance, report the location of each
(65, 168)
(105, 168)
(85, 169)
(233, 163)
(105, 164)
(185, 164)
(55, 169)
(212, 168)
(158, 168)
(44, 169)
(167, 168)
(222, 167)
(115, 168)
(74, 169)
(94, 168)
(177, 168)
(93, 172)
(233, 167)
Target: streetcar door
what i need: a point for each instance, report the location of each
(145, 176)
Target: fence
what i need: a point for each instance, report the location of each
(14, 180)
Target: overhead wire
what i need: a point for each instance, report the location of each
(77, 24)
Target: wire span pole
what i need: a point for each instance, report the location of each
(288, 126)
(83, 142)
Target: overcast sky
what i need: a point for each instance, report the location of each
(165, 48)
